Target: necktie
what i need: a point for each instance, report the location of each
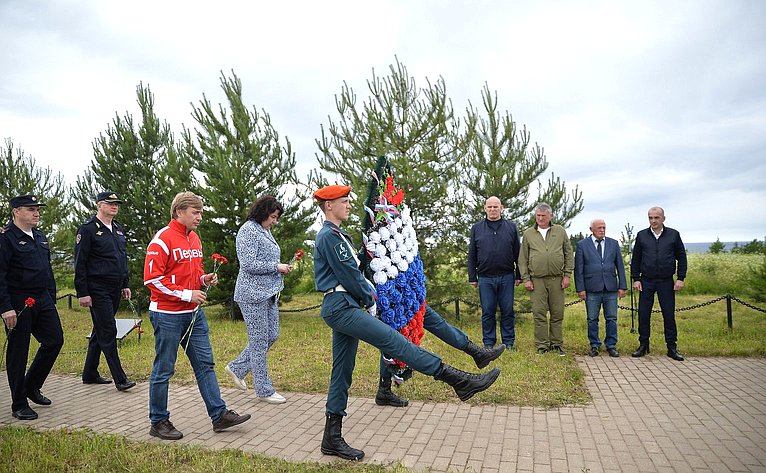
(598, 248)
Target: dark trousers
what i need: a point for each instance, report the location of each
(435, 323)
(350, 324)
(106, 301)
(667, 297)
(42, 321)
(497, 291)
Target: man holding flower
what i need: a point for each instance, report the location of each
(174, 274)
(28, 305)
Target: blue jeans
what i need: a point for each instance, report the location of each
(435, 323)
(494, 291)
(168, 330)
(593, 303)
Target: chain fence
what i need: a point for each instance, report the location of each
(473, 304)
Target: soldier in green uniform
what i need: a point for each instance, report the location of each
(348, 308)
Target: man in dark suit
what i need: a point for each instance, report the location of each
(598, 266)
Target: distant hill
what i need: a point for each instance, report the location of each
(703, 247)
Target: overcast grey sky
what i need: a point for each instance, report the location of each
(638, 103)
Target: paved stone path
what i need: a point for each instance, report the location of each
(648, 414)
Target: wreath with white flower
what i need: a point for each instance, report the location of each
(393, 262)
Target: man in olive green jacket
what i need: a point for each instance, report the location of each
(546, 263)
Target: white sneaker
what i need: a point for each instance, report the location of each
(239, 383)
(275, 398)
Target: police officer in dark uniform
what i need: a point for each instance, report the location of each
(101, 279)
(28, 305)
(348, 298)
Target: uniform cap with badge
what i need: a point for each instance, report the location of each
(28, 200)
(332, 192)
(108, 197)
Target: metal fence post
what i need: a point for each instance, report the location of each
(728, 311)
(457, 309)
(69, 297)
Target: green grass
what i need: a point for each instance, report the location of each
(301, 359)
(25, 450)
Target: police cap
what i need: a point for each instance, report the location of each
(109, 197)
(27, 200)
(332, 192)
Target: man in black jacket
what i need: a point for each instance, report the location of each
(658, 254)
(101, 279)
(493, 267)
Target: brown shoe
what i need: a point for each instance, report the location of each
(229, 419)
(165, 430)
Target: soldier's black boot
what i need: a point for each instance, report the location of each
(386, 397)
(333, 443)
(466, 384)
(483, 355)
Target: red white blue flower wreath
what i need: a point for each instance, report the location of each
(392, 262)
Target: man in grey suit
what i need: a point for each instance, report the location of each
(598, 265)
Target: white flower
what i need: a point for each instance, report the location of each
(384, 234)
(409, 244)
(376, 264)
(399, 238)
(402, 265)
(392, 272)
(380, 251)
(393, 226)
(386, 262)
(374, 237)
(396, 257)
(380, 277)
(409, 256)
(391, 245)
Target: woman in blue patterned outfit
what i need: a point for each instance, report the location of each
(258, 285)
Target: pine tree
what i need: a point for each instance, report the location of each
(717, 247)
(416, 128)
(502, 162)
(20, 175)
(140, 163)
(238, 152)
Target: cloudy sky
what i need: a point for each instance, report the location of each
(638, 103)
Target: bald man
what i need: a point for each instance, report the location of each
(493, 267)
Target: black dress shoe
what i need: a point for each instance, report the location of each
(25, 413)
(593, 351)
(98, 380)
(641, 351)
(125, 385)
(37, 397)
(673, 353)
(612, 352)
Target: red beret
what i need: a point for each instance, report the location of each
(332, 192)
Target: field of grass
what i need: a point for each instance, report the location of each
(301, 360)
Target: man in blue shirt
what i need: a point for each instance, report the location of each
(348, 297)
(493, 267)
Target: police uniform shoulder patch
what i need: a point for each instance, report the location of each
(77, 240)
(342, 252)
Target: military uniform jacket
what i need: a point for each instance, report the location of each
(100, 254)
(25, 266)
(334, 264)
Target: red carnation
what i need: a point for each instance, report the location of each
(29, 302)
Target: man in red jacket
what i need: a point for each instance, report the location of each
(174, 274)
